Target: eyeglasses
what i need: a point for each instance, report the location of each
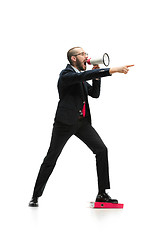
(82, 54)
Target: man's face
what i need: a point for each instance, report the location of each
(81, 58)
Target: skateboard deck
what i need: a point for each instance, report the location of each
(105, 205)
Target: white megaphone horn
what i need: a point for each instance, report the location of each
(103, 60)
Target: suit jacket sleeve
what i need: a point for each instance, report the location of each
(94, 89)
(69, 77)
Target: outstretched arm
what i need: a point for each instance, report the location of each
(123, 69)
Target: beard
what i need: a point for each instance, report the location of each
(81, 65)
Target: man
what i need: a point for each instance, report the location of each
(73, 118)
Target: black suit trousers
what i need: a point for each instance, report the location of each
(60, 135)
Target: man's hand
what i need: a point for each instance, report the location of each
(123, 69)
(95, 67)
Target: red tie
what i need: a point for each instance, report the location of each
(84, 109)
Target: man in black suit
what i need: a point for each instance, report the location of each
(73, 118)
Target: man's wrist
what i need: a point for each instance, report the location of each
(113, 70)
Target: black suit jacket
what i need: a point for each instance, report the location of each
(71, 93)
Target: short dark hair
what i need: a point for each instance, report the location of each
(71, 52)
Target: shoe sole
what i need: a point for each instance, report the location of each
(33, 205)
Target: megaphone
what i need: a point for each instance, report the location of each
(103, 60)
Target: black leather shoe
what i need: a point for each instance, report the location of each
(33, 202)
(104, 197)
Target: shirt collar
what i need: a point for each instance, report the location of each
(75, 69)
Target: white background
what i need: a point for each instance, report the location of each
(35, 36)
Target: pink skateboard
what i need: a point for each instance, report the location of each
(105, 205)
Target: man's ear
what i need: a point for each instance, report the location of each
(73, 58)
